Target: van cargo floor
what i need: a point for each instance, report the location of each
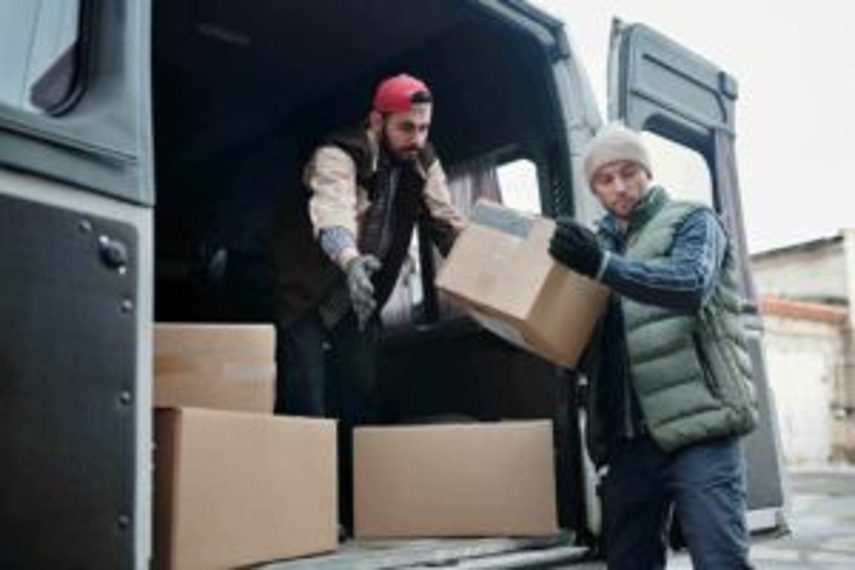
(443, 553)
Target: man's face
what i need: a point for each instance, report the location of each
(620, 186)
(405, 134)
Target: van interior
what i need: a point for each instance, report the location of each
(242, 93)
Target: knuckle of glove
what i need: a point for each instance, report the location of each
(563, 246)
(577, 233)
(556, 246)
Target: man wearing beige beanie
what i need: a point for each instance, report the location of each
(670, 376)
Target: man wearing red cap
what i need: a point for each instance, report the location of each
(367, 188)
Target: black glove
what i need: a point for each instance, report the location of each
(359, 272)
(576, 247)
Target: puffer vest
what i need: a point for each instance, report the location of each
(692, 373)
(305, 276)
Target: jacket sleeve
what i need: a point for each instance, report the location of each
(445, 221)
(683, 282)
(331, 177)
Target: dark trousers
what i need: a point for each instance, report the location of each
(704, 483)
(330, 373)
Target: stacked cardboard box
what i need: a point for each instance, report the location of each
(215, 366)
(237, 486)
(234, 485)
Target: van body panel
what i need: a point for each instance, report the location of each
(77, 357)
(103, 141)
(75, 364)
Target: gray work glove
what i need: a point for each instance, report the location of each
(359, 272)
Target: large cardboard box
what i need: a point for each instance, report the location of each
(456, 480)
(235, 489)
(500, 270)
(227, 367)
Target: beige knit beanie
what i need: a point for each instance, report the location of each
(612, 143)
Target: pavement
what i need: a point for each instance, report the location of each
(822, 526)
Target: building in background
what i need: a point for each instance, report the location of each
(806, 296)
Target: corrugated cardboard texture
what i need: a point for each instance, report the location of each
(514, 288)
(562, 319)
(236, 489)
(227, 367)
(455, 480)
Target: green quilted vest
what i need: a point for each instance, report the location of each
(692, 373)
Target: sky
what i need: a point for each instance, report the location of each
(795, 118)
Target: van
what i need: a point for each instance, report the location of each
(145, 149)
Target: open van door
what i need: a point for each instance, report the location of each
(75, 284)
(684, 106)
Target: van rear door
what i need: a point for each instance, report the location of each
(75, 284)
(684, 106)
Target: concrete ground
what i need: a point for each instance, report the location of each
(822, 524)
(822, 527)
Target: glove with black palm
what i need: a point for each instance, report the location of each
(576, 247)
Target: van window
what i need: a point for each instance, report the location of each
(681, 170)
(38, 41)
(519, 187)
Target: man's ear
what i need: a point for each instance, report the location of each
(375, 121)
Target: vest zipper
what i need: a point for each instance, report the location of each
(629, 430)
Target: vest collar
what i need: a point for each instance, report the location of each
(648, 207)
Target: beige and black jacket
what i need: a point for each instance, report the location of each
(338, 185)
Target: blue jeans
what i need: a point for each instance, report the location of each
(705, 485)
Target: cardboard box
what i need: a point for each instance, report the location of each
(500, 270)
(455, 480)
(226, 367)
(235, 489)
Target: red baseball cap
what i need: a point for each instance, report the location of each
(395, 94)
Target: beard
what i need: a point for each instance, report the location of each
(406, 155)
